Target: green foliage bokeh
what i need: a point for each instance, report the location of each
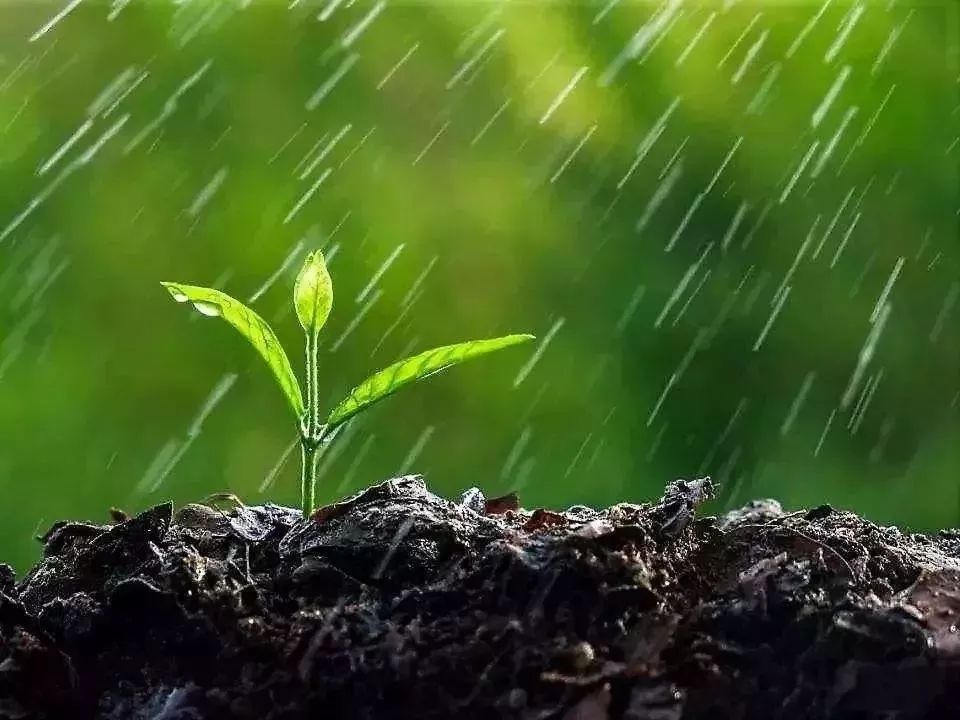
(706, 285)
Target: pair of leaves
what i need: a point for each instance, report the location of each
(313, 300)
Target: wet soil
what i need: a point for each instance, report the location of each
(397, 603)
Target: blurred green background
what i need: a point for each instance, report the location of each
(733, 226)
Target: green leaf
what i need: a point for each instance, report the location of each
(313, 293)
(254, 328)
(389, 380)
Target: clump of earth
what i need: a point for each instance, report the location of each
(397, 603)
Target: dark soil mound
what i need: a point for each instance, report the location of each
(399, 604)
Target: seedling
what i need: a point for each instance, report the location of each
(313, 300)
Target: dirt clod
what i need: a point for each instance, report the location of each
(396, 603)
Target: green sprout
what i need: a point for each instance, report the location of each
(313, 300)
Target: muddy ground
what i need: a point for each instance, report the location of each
(399, 604)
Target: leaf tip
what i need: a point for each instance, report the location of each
(175, 290)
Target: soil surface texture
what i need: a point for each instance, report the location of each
(396, 603)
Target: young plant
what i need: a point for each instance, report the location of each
(313, 300)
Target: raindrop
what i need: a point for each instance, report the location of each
(116, 8)
(331, 82)
(357, 319)
(392, 71)
(846, 237)
(207, 308)
(798, 257)
(284, 266)
(110, 93)
(734, 224)
(660, 194)
(873, 118)
(110, 132)
(207, 193)
(723, 165)
(657, 441)
(523, 473)
(749, 57)
(323, 153)
(576, 458)
(673, 158)
(335, 447)
(357, 30)
(309, 155)
(831, 95)
(306, 196)
(65, 147)
(573, 153)
(604, 11)
(515, 452)
(417, 448)
(724, 434)
(682, 285)
(861, 409)
(473, 60)
(286, 144)
(157, 470)
(683, 223)
(543, 71)
(739, 40)
(358, 458)
(421, 278)
(823, 435)
(797, 403)
(641, 39)
(54, 20)
(696, 291)
(800, 168)
(538, 353)
(677, 374)
(953, 294)
(271, 477)
(169, 107)
(748, 238)
(865, 355)
(431, 143)
(832, 145)
(882, 300)
(773, 316)
(490, 122)
(696, 38)
(379, 273)
(845, 29)
(630, 308)
(328, 10)
(807, 29)
(401, 533)
(833, 223)
(355, 148)
(759, 100)
(649, 139)
(890, 42)
(563, 94)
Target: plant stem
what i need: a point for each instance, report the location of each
(308, 471)
(310, 431)
(313, 371)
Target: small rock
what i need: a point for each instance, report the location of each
(8, 578)
(474, 499)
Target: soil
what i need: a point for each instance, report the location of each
(397, 603)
